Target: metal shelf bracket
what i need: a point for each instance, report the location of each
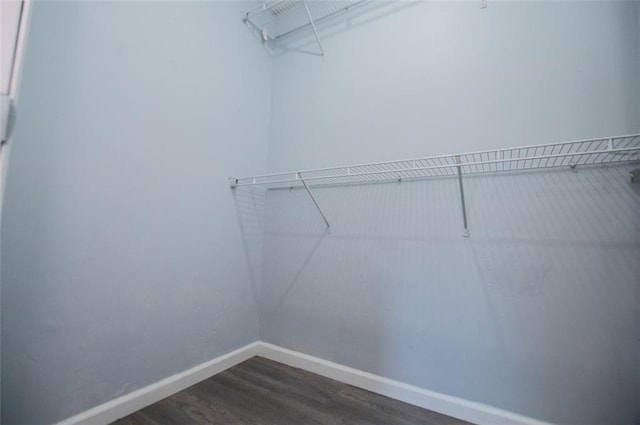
(622, 149)
(324, 217)
(465, 232)
(313, 26)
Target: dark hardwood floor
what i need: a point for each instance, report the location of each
(263, 392)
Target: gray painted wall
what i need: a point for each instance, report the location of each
(125, 262)
(422, 78)
(537, 312)
(122, 258)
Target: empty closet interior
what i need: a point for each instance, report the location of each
(436, 201)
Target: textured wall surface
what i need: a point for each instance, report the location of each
(125, 257)
(537, 312)
(122, 257)
(425, 78)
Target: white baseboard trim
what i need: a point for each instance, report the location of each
(125, 405)
(477, 413)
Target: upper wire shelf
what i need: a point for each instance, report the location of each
(565, 154)
(275, 19)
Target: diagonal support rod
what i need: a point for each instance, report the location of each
(465, 233)
(313, 26)
(315, 203)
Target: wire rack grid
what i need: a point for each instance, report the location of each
(564, 154)
(276, 19)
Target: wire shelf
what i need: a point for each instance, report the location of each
(565, 154)
(276, 19)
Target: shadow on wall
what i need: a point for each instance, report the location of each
(286, 289)
(303, 41)
(249, 203)
(540, 304)
(554, 253)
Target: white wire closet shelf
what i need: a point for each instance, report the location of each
(564, 154)
(276, 19)
(608, 150)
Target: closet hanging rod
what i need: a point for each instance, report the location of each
(614, 149)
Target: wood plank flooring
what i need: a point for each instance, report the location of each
(263, 392)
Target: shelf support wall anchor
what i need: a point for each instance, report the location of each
(299, 175)
(465, 233)
(313, 26)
